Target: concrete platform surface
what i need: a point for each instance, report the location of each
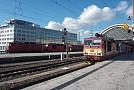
(115, 74)
(8, 55)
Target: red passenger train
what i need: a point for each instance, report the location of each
(99, 48)
(33, 48)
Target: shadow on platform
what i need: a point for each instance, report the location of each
(124, 57)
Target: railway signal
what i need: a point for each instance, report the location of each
(64, 40)
(64, 37)
(65, 32)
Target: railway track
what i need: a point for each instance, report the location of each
(11, 74)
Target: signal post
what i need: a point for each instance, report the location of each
(64, 40)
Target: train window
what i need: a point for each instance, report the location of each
(88, 42)
(96, 42)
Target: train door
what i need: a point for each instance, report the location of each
(104, 46)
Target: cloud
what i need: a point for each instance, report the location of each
(121, 6)
(71, 23)
(54, 25)
(129, 11)
(90, 16)
(94, 14)
(86, 32)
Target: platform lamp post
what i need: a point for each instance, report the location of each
(64, 40)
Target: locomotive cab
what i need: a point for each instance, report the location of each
(93, 48)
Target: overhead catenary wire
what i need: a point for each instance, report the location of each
(113, 11)
(117, 11)
(9, 12)
(91, 31)
(74, 4)
(43, 11)
(18, 8)
(64, 7)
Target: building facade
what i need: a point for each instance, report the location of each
(19, 31)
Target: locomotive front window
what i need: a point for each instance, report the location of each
(88, 42)
(96, 42)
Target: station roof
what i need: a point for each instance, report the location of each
(120, 34)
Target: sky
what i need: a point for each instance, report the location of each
(83, 17)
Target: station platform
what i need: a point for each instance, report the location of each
(10, 55)
(22, 57)
(113, 74)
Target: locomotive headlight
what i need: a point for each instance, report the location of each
(86, 53)
(98, 53)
